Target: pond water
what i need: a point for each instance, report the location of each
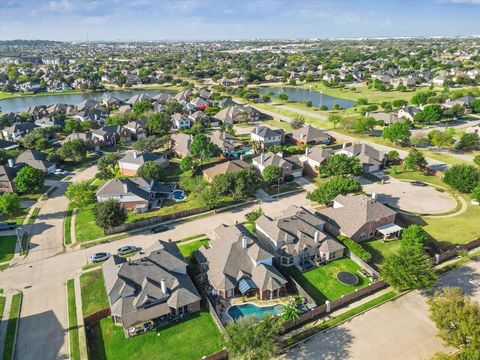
(317, 98)
(19, 104)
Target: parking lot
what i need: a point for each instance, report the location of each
(405, 196)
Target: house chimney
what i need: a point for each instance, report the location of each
(374, 196)
(280, 153)
(11, 163)
(135, 155)
(302, 136)
(344, 145)
(262, 158)
(256, 130)
(306, 151)
(163, 284)
(244, 242)
(316, 236)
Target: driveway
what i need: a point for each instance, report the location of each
(403, 195)
(399, 329)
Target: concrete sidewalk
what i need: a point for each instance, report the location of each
(4, 320)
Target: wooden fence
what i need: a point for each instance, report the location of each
(99, 315)
(221, 355)
(449, 254)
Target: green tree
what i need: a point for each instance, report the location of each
(252, 339)
(209, 197)
(150, 143)
(476, 193)
(476, 160)
(283, 97)
(158, 123)
(475, 104)
(457, 318)
(109, 213)
(341, 164)
(142, 107)
(414, 235)
(335, 119)
(364, 124)
(430, 113)
(409, 268)
(326, 192)
(441, 139)
(72, 125)
(290, 313)
(29, 180)
(253, 215)
(271, 174)
(107, 166)
(298, 122)
(187, 163)
(469, 142)
(415, 160)
(463, 177)
(202, 148)
(398, 132)
(9, 204)
(151, 170)
(81, 193)
(399, 103)
(75, 150)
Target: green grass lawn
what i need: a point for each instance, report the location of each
(85, 227)
(173, 171)
(72, 321)
(2, 305)
(67, 235)
(274, 190)
(94, 296)
(33, 215)
(190, 338)
(7, 247)
(189, 248)
(168, 207)
(380, 249)
(12, 326)
(321, 283)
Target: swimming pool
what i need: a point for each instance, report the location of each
(178, 195)
(238, 311)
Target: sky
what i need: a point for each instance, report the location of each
(126, 20)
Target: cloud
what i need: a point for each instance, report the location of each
(95, 20)
(59, 6)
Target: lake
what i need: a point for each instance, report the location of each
(19, 104)
(301, 95)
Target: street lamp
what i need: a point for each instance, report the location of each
(474, 284)
(19, 239)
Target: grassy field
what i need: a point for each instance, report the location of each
(321, 283)
(72, 321)
(12, 326)
(190, 338)
(85, 227)
(7, 247)
(94, 296)
(380, 249)
(188, 249)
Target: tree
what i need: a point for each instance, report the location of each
(475, 104)
(476, 193)
(463, 177)
(457, 318)
(202, 148)
(422, 97)
(399, 103)
(341, 164)
(415, 160)
(363, 124)
(290, 312)
(414, 235)
(271, 174)
(476, 160)
(72, 125)
(409, 268)
(393, 157)
(469, 142)
(109, 213)
(298, 122)
(430, 113)
(187, 164)
(326, 192)
(150, 143)
(397, 132)
(252, 339)
(151, 170)
(81, 193)
(9, 204)
(158, 123)
(75, 150)
(335, 119)
(209, 197)
(29, 180)
(283, 96)
(252, 216)
(107, 166)
(141, 107)
(441, 138)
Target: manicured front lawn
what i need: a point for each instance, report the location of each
(189, 248)
(321, 283)
(85, 227)
(7, 247)
(72, 321)
(94, 296)
(33, 215)
(168, 207)
(190, 338)
(274, 190)
(2, 305)
(380, 249)
(67, 235)
(12, 326)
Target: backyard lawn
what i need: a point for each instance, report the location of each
(94, 296)
(321, 283)
(380, 249)
(189, 248)
(190, 338)
(7, 247)
(168, 207)
(85, 227)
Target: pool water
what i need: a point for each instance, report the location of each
(178, 195)
(238, 311)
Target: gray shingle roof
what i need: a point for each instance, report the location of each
(125, 187)
(309, 134)
(139, 158)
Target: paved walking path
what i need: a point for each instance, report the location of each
(81, 332)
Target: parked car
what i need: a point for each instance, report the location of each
(128, 249)
(418, 183)
(99, 257)
(7, 226)
(59, 172)
(159, 228)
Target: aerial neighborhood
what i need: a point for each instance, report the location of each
(250, 199)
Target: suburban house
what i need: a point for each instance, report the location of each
(370, 158)
(227, 167)
(181, 122)
(132, 193)
(309, 135)
(138, 98)
(7, 175)
(387, 118)
(132, 161)
(297, 237)
(136, 128)
(267, 137)
(146, 288)
(228, 144)
(95, 115)
(85, 137)
(200, 103)
(36, 160)
(238, 113)
(109, 135)
(287, 167)
(408, 112)
(360, 217)
(314, 157)
(180, 143)
(464, 102)
(235, 264)
(17, 131)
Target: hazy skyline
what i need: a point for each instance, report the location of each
(211, 19)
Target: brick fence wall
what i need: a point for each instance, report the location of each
(449, 254)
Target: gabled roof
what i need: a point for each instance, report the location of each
(125, 187)
(265, 131)
(226, 168)
(309, 134)
(34, 159)
(317, 154)
(270, 158)
(139, 158)
(366, 153)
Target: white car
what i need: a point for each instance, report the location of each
(59, 172)
(99, 257)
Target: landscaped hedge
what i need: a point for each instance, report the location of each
(355, 248)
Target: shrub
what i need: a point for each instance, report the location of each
(355, 248)
(464, 178)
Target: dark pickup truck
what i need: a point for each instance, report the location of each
(7, 226)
